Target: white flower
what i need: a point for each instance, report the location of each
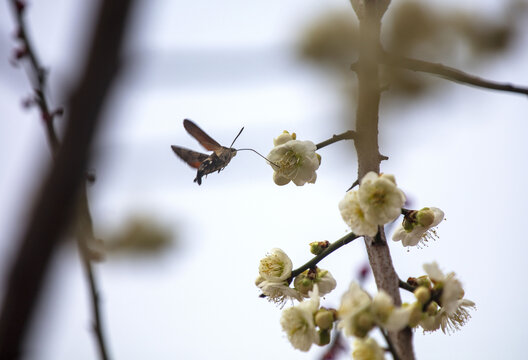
(454, 309)
(387, 315)
(379, 198)
(354, 216)
(449, 322)
(284, 138)
(367, 349)
(421, 229)
(458, 318)
(306, 281)
(296, 160)
(353, 303)
(274, 271)
(452, 290)
(277, 292)
(298, 322)
(276, 267)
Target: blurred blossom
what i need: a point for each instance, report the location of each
(140, 235)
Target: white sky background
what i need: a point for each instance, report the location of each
(232, 64)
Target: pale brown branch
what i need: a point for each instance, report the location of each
(450, 73)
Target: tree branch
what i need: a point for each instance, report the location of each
(56, 202)
(347, 135)
(450, 73)
(330, 249)
(370, 13)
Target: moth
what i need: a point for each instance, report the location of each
(206, 164)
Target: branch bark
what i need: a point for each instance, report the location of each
(450, 73)
(370, 13)
(56, 202)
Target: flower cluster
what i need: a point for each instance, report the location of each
(359, 313)
(442, 298)
(378, 201)
(293, 160)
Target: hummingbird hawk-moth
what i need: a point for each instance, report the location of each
(205, 164)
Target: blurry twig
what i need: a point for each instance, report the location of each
(38, 72)
(55, 204)
(449, 73)
(347, 135)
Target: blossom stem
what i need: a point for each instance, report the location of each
(347, 135)
(330, 249)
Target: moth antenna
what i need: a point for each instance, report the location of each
(236, 137)
(262, 156)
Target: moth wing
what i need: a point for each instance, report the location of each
(207, 142)
(193, 158)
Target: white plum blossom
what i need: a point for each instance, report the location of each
(452, 312)
(277, 292)
(293, 160)
(276, 266)
(354, 216)
(274, 271)
(299, 324)
(379, 198)
(452, 290)
(388, 315)
(421, 229)
(367, 349)
(359, 313)
(452, 322)
(306, 281)
(353, 302)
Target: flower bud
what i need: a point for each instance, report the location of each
(303, 283)
(432, 309)
(317, 247)
(425, 217)
(422, 294)
(364, 322)
(324, 319)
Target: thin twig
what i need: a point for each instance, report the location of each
(392, 349)
(347, 135)
(450, 73)
(406, 286)
(330, 249)
(85, 231)
(38, 73)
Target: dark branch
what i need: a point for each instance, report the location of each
(55, 205)
(449, 73)
(330, 249)
(347, 135)
(406, 286)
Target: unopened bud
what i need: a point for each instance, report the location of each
(317, 247)
(432, 309)
(324, 319)
(425, 217)
(422, 294)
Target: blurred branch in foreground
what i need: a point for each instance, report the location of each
(57, 201)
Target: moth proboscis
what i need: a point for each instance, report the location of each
(206, 164)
